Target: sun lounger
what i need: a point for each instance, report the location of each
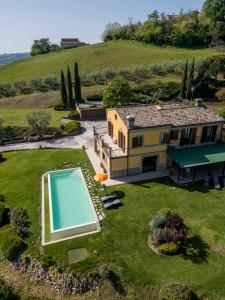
(109, 197)
(112, 203)
(216, 183)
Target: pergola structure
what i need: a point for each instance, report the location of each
(198, 156)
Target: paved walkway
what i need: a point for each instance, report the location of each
(136, 178)
(73, 142)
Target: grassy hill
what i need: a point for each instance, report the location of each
(97, 57)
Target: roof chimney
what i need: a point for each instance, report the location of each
(130, 121)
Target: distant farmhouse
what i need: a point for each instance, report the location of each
(172, 17)
(71, 43)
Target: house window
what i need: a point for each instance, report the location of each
(164, 138)
(137, 141)
(208, 134)
(103, 155)
(121, 140)
(174, 134)
(188, 136)
(115, 116)
(110, 129)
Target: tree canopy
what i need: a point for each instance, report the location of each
(117, 92)
(188, 29)
(38, 121)
(43, 46)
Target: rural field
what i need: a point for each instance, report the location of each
(97, 57)
(123, 241)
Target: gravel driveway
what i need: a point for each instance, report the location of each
(73, 142)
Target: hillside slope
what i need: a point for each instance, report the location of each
(97, 57)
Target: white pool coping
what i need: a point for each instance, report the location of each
(59, 231)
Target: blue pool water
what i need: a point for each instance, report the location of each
(70, 199)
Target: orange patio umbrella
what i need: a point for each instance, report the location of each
(101, 177)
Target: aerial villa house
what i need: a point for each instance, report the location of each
(184, 142)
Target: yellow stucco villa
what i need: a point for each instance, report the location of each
(186, 141)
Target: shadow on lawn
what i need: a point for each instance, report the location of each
(190, 187)
(196, 250)
(116, 283)
(120, 194)
(3, 159)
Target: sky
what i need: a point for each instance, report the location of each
(22, 21)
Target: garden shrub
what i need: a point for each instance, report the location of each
(165, 212)
(47, 261)
(59, 107)
(2, 212)
(168, 231)
(175, 291)
(11, 245)
(14, 133)
(74, 115)
(158, 221)
(169, 248)
(72, 127)
(94, 97)
(5, 293)
(19, 221)
(159, 236)
(1, 156)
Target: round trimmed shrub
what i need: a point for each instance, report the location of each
(11, 245)
(5, 293)
(175, 291)
(74, 115)
(72, 127)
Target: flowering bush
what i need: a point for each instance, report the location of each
(168, 231)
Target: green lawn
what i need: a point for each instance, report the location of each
(17, 117)
(123, 240)
(97, 57)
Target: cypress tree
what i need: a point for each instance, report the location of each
(184, 81)
(63, 90)
(190, 80)
(77, 87)
(70, 88)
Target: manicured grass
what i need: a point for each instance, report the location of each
(97, 57)
(17, 117)
(123, 240)
(20, 177)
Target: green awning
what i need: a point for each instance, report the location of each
(198, 156)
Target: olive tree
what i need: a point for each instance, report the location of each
(38, 121)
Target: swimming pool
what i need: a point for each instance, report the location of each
(71, 209)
